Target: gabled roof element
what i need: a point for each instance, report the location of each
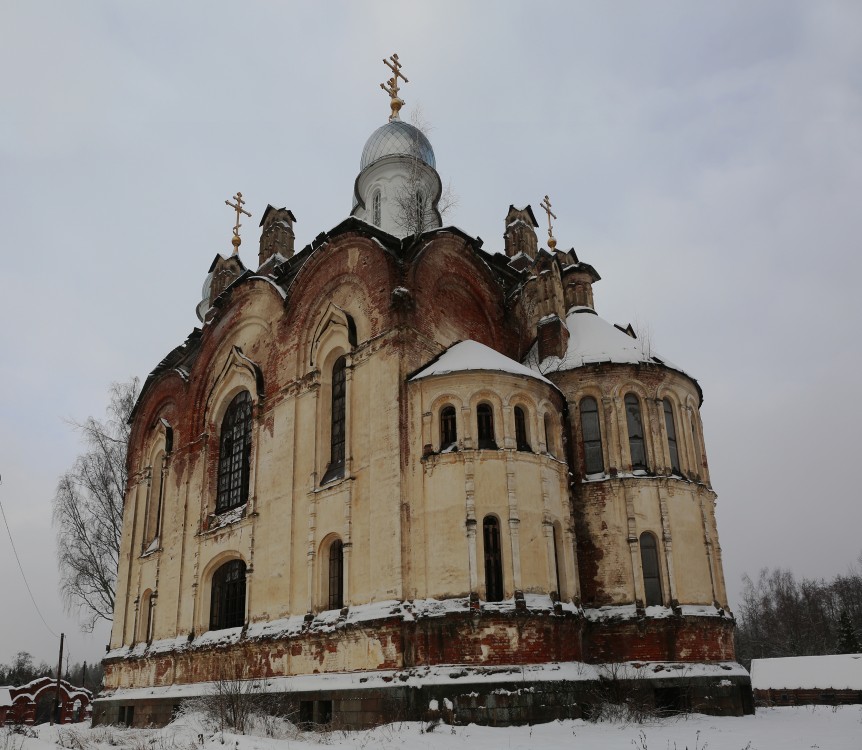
(471, 355)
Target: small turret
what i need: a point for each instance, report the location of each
(277, 235)
(520, 235)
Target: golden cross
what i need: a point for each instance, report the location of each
(238, 207)
(546, 204)
(391, 86)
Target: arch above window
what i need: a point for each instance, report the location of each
(234, 453)
(227, 600)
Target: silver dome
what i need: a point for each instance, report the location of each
(397, 138)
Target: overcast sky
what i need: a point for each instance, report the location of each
(705, 157)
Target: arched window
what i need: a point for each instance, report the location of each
(154, 500)
(549, 435)
(636, 432)
(493, 559)
(521, 439)
(376, 209)
(651, 570)
(594, 462)
(145, 617)
(558, 562)
(485, 426)
(338, 412)
(695, 443)
(448, 428)
(234, 454)
(336, 575)
(671, 436)
(227, 604)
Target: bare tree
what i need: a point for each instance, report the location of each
(88, 510)
(414, 209)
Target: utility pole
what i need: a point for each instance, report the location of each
(56, 711)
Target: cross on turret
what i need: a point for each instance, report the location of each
(238, 207)
(391, 86)
(546, 204)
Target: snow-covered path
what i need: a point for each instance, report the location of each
(806, 728)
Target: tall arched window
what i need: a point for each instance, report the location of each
(338, 413)
(336, 575)
(549, 435)
(493, 559)
(227, 603)
(670, 427)
(234, 454)
(636, 432)
(448, 428)
(695, 443)
(145, 617)
(651, 570)
(375, 211)
(154, 499)
(485, 426)
(594, 462)
(558, 561)
(521, 439)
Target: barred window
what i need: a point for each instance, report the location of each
(651, 570)
(336, 575)
(636, 432)
(671, 436)
(594, 462)
(227, 607)
(375, 211)
(338, 413)
(448, 428)
(521, 440)
(485, 426)
(234, 454)
(493, 559)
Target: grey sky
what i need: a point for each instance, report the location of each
(706, 158)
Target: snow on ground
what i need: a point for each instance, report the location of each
(808, 728)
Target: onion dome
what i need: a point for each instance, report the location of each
(397, 138)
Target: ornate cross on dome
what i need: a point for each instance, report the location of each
(391, 86)
(238, 207)
(546, 204)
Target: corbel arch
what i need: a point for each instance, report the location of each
(237, 373)
(335, 328)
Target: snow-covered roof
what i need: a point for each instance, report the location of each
(839, 671)
(471, 355)
(593, 340)
(5, 697)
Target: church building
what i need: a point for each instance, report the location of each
(397, 475)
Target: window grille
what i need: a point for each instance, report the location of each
(671, 436)
(336, 575)
(448, 428)
(227, 608)
(493, 560)
(651, 570)
(485, 426)
(636, 432)
(594, 462)
(234, 454)
(521, 441)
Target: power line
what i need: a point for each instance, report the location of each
(21, 568)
